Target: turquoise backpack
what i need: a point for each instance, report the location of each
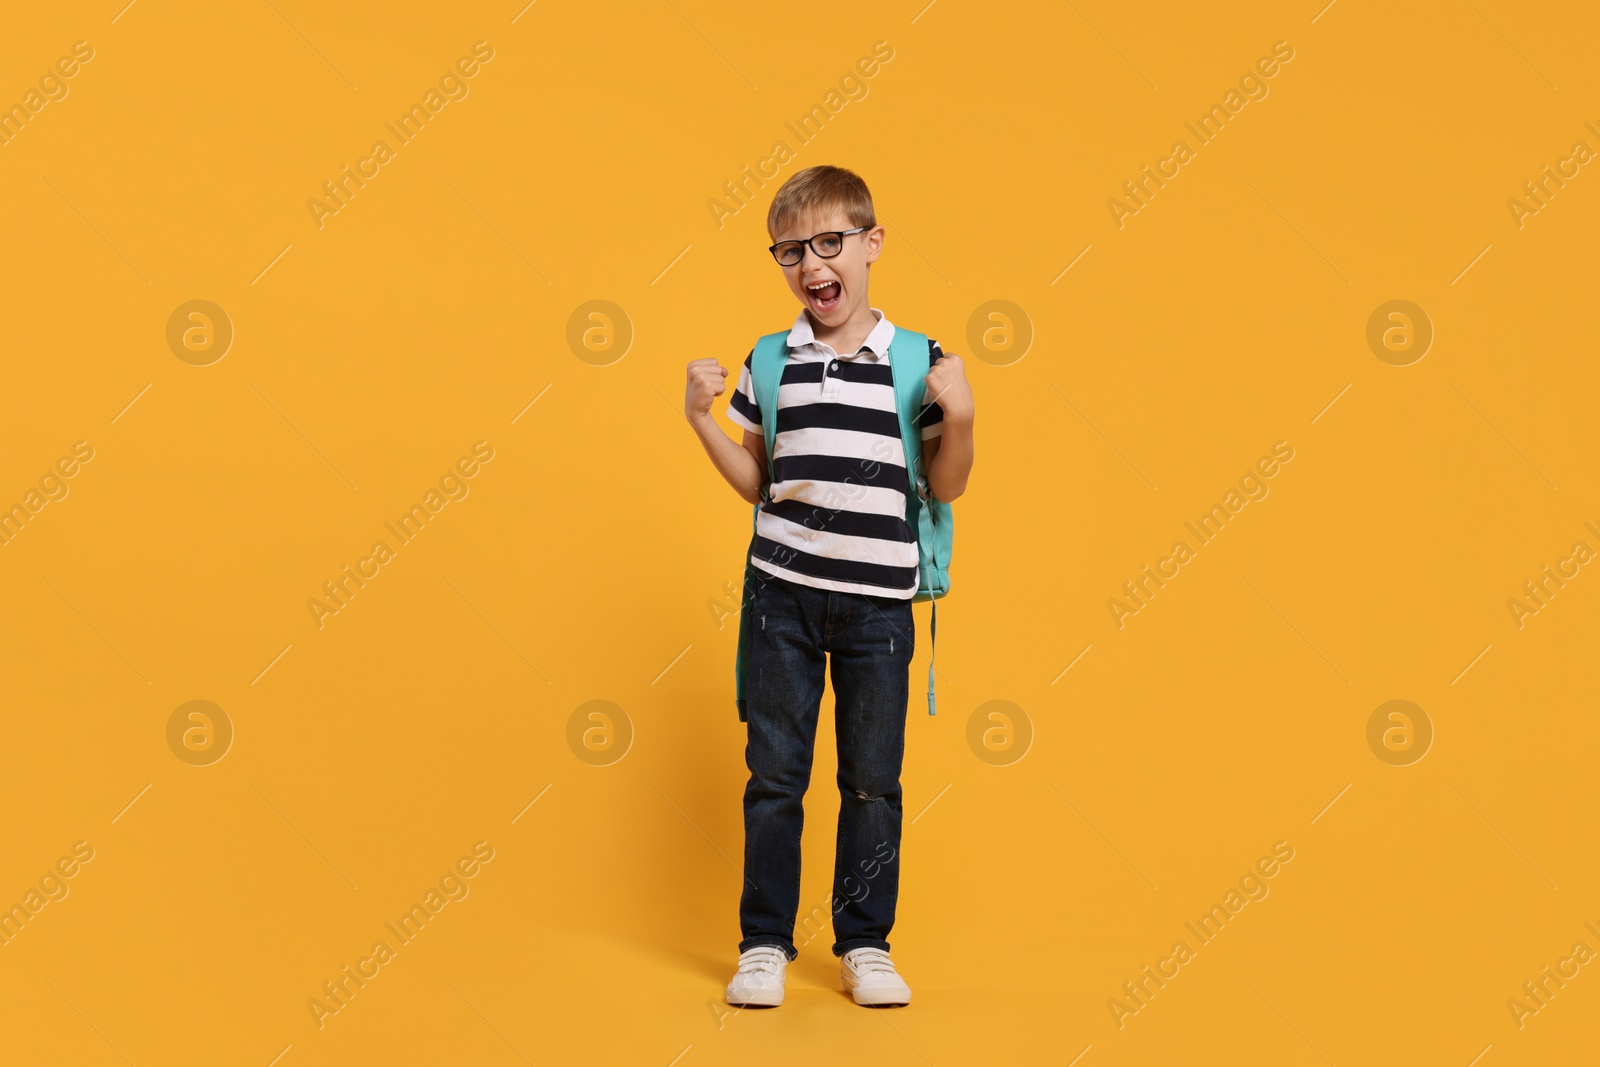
(930, 518)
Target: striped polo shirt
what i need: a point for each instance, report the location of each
(837, 514)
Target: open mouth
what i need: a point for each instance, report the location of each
(824, 296)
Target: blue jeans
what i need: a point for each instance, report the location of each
(869, 642)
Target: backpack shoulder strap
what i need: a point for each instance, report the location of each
(766, 374)
(909, 355)
(908, 362)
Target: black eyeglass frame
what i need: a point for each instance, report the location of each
(806, 243)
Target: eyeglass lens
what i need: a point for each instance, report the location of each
(826, 245)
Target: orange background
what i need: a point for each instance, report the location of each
(587, 560)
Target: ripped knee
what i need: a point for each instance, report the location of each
(861, 794)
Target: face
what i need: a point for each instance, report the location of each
(835, 289)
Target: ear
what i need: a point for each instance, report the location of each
(874, 238)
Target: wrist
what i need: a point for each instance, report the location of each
(958, 421)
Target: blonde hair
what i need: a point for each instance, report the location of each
(817, 190)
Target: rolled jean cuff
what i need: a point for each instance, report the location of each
(860, 942)
(777, 942)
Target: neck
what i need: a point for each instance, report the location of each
(847, 337)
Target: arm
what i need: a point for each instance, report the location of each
(742, 465)
(947, 458)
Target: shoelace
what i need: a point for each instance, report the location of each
(763, 960)
(872, 961)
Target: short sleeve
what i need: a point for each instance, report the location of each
(932, 417)
(742, 407)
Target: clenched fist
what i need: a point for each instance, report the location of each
(707, 380)
(947, 386)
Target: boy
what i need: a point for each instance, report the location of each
(836, 567)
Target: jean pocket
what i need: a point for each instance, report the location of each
(761, 605)
(889, 629)
(907, 624)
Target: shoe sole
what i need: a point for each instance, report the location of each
(756, 998)
(877, 998)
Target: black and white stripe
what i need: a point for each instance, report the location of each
(836, 519)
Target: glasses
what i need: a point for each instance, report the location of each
(827, 245)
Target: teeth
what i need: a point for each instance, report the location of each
(820, 285)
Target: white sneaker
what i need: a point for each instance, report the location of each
(869, 976)
(759, 981)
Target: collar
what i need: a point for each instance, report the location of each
(876, 343)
